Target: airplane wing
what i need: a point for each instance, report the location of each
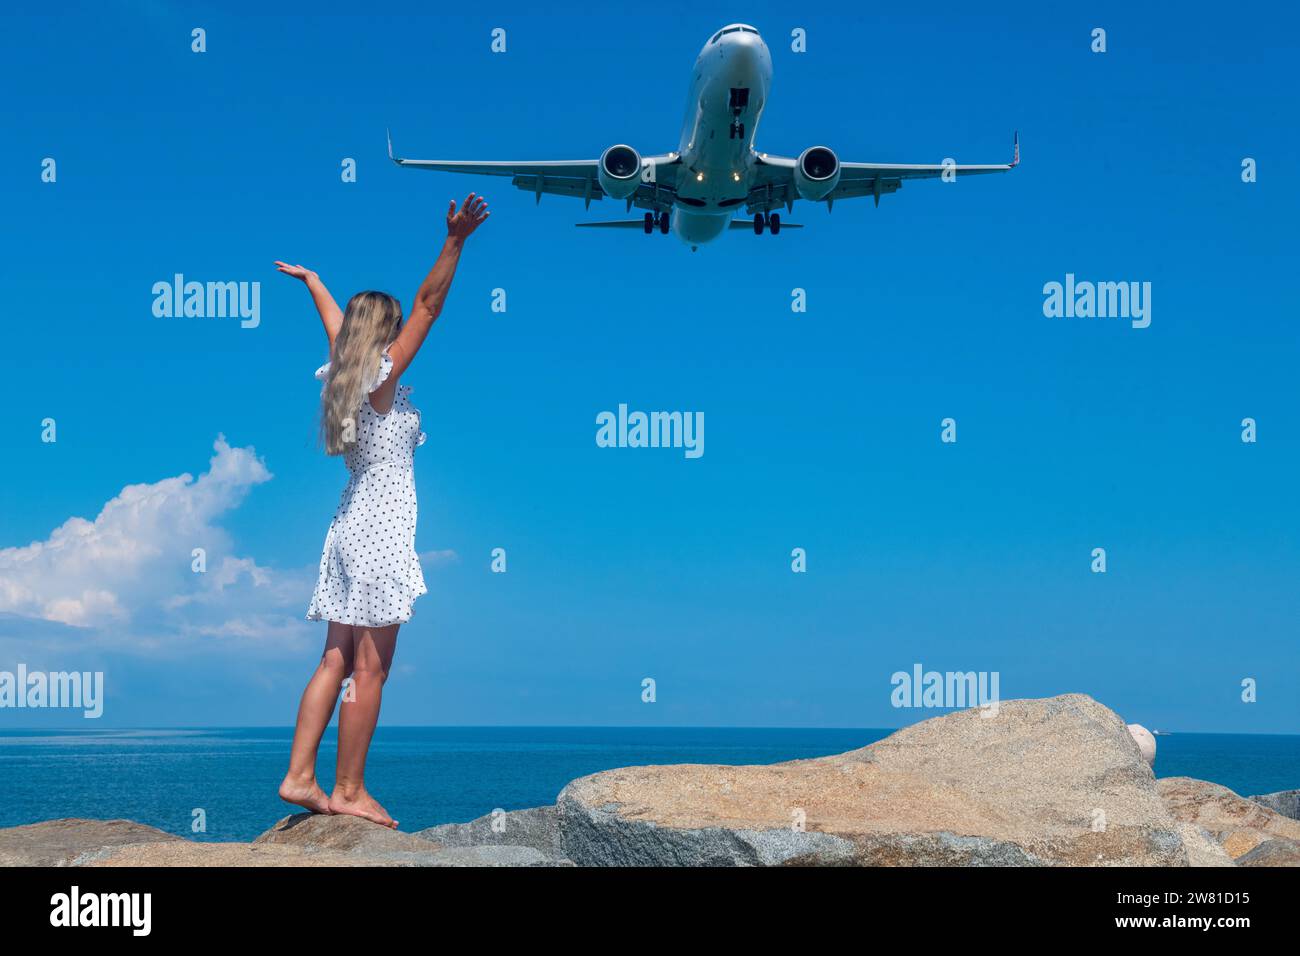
(775, 182)
(574, 177)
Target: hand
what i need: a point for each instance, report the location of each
(472, 214)
(298, 272)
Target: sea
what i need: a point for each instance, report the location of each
(220, 784)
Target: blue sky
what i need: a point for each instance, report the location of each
(822, 428)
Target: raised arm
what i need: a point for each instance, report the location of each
(331, 315)
(433, 290)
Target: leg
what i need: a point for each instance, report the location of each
(357, 718)
(314, 714)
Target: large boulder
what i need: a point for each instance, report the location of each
(497, 855)
(188, 854)
(1272, 853)
(1059, 781)
(1237, 824)
(343, 833)
(1285, 802)
(302, 839)
(374, 845)
(1146, 742)
(538, 828)
(73, 842)
(1202, 848)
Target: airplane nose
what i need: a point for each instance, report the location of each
(744, 44)
(744, 52)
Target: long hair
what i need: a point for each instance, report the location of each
(370, 323)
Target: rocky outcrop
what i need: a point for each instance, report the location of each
(1052, 782)
(380, 846)
(298, 840)
(1236, 824)
(1272, 853)
(73, 842)
(537, 828)
(188, 853)
(1285, 802)
(316, 833)
(1202, 848)
(1146, 742)
(1059, 781)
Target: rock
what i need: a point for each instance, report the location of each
(343, 833)
(1146, 742)
(1202, 848)
(1272, 853)
(1059, 781)
(538, 828)
(1237, 824)
(380, 846)
(496, 855)
(299, 840)
(186, 853)
(73, 842)
(1285, 802)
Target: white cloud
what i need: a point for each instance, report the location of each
(438, 559)
(124, 581)
(128, 574)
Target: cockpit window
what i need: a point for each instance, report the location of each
(735, 29)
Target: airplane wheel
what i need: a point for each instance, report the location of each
(774, 223)
(663, 223)
(758, 223)
(649, 223)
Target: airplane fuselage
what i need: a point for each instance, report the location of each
(699, 190)
(729, 89)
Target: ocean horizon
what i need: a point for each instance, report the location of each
(227, 777)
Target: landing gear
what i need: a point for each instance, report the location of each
(663, 223)
(758, 223)
(655, 220)
(738, 102)
(772, 221)
(649, 223)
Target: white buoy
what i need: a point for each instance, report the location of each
(1145, 741)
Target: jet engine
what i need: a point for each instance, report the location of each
(620, 171)
(816, 172)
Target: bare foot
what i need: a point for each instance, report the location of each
(307, 794)
(360, 804)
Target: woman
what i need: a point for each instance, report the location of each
(369, 572)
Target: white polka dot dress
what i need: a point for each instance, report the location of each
(369, 572)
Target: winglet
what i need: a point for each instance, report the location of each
(389, 133)
(1015, 150)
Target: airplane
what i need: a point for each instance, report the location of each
(697, 189)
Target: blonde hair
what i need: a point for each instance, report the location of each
(370, 323)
